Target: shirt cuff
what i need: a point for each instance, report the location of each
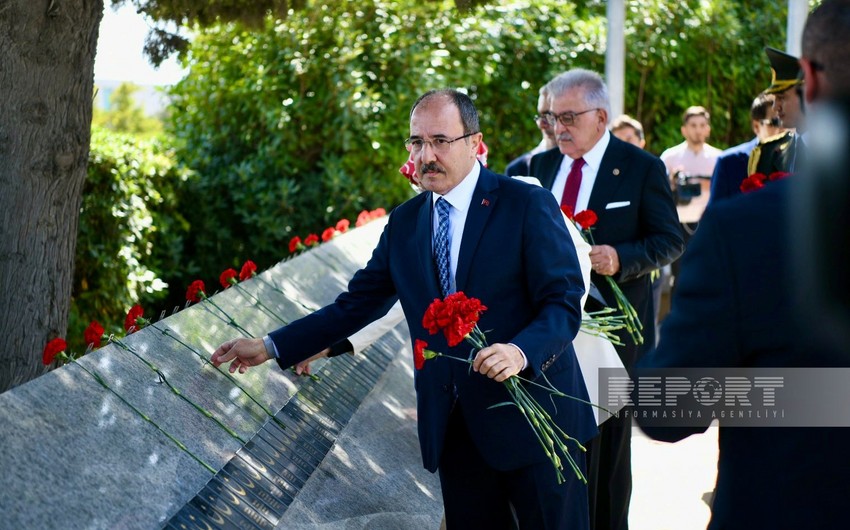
(524, 358)
(271, 349)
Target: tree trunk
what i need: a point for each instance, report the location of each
(47, 50)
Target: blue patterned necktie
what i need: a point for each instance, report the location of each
(441, 246)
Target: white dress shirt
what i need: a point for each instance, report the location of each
(459, 198)
(592, 161)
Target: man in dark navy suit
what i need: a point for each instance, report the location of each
(637, 232)
(506, 244)
(731, 167)
(734, 307)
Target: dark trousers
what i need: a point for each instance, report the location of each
(477, 496)
(609, 464)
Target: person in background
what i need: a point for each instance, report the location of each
(735, 308)
(628, 130)
(693, 157)
(782, 153)
(637, 231)
(519, 165)
(731, 167)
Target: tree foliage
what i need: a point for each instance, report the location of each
(697, 52)
(298, 123)
(130, 236)
(301, 123)
(125, 115)
(293, 125)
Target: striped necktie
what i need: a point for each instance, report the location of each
(441, 246)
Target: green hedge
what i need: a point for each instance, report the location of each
(291, 128)
(130, 234)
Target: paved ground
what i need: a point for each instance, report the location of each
(672, 481)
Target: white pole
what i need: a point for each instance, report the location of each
(798, 11)
(615, 56)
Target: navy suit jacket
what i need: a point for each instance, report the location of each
(646, 232)
(733, 307)
(517, 257)
(730, 171)
(518, 167)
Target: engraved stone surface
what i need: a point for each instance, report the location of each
(339, 453)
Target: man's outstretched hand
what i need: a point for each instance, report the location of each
(243, 353)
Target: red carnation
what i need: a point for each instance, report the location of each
(196, 291)
(586, 219)
(568, 211)
(377, 212)
(363, 218)
(778, 175)
(249, 269)
(430, 320)
(53, 348)
(328, 234)
(419, 353)
(93, 334)
(752, 183)
(227, 278)
(342, 225)
(311, 240)
(456, 316)
(131, 321)
(294, 244)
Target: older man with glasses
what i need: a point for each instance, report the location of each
(637, 232)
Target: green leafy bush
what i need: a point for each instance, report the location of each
(291, 128)
(130, 235)
(296, 125)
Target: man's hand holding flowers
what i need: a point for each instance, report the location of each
(499, 361)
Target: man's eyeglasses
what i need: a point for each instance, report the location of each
(438, 144)
(542, 117)
(773, 122)
(566, 118)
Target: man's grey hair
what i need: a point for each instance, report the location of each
(591, 83)
(468, 112)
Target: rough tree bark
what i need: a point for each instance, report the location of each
(47, 50)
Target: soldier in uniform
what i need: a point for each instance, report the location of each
(783, 151)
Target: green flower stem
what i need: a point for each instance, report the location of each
(549, 429)
(552, 457)
(633, 324)
(545, 429)
(230, 320)
(602, 324)
(177, 392)
(259, 303)
(142, 415)
(232, 379)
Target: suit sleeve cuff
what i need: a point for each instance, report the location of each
(343, 346)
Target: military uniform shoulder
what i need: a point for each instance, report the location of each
(780, 138)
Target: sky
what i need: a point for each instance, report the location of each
(120, 55)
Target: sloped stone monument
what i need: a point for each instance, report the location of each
(107, 442)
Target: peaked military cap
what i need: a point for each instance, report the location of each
(785, 70)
